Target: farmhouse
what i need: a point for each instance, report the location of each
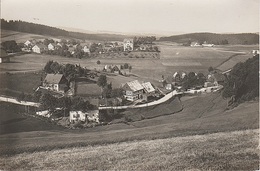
(128, 44)
(133, 90)
(217, 79)
(28, 43)
(86, 49)
(148, 88)
(52, 46)
(4, 56)
(90, 116)
(39, 48)
(56, 82)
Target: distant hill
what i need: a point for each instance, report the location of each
(242, 38)
(26, 27)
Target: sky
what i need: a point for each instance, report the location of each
(139, 16)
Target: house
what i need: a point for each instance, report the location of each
(59, 44)
(128, 44)
(52, 46)
(28, 43)
(4, 56)
(77, 116)
(90, 116)
(217, 79)
(148, 88)
(255, 52)
(195, 44)
(71, 50)
(93, 116)
(168, 86)
(177, 77)
(86, 49)
(116, 69)
(56, 82)
(39, 48)
(133, 90)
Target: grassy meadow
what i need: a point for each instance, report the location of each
(207, 116)
(236, 150)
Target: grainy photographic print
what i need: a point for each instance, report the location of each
(136, 85)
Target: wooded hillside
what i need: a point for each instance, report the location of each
(243, 38)
(22, 26)
(243, 81)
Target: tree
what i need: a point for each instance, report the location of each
(130, 68)
(126, 66)
(78, 103)
(117, 92)
(11, 46)
(102, 81)
(210, 69)
(98, 62)
(48, 101)
(47, 67)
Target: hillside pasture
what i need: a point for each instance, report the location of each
(16, 83)
(230, 63)
(201, 115)
(12, 120)
(236, 150)
(19, 37)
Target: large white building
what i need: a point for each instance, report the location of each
(128, 44)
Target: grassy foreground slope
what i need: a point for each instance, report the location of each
(219, 151)
(201, 115)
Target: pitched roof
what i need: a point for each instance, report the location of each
(53, 78)
(148, 87)
(41, 46)
(135, 85)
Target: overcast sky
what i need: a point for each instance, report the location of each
(141, 16)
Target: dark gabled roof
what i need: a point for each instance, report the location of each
(53, 78)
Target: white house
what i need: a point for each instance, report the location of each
(77, 116)
(90, 116)
(52, 46)
(86, 49)
(39, 48)
(128, 44)
(27, 43)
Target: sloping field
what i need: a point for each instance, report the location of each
(12, 120)
(19, 37)
(236, 150)
(233, 61)
(201, 115)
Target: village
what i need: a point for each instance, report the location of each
(75, 96)
(132, 94)
(92, 92)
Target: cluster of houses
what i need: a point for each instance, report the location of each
(174, 81)
(39, 47)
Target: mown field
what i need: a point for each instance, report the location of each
(236, 150)
(172, 58)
